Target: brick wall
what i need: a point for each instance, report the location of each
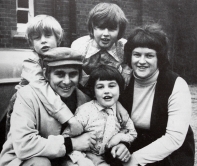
(137, 12)
(56, 8)
(7, 22)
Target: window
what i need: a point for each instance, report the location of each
(24, 12)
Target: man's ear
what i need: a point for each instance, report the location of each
(44, 74)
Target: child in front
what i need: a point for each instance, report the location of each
(99, 117)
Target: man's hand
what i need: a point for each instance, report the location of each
(74, 127)
(121, 152)
(85, 162)
(84, 142)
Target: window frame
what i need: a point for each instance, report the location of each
(21, 27)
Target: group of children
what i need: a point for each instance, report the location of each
(103, 46)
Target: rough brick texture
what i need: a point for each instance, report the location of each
(56, 8)
(74, 24)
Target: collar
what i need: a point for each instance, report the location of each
(100, 108)
(147, 81)
(93, 48)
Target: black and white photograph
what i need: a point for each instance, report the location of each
(98, 83)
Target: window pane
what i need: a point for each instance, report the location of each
(22, 16)
(23, 4)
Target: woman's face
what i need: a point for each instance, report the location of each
(144, 62)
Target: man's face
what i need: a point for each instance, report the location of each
(64, 80)
(43, 42)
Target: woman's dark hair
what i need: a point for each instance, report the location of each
(105, 72)
(152, 37)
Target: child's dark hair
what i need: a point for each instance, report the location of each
(151, 36)
(105, 72)
(107, 15)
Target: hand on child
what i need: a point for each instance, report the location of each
(85, 162)
(121, 152)
(84, 142)
(75, 128)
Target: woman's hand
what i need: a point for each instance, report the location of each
(84, 142)
(131, 162)
(122, 114)
(115, 140)
(121, 152)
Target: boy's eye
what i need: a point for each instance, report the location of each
(110, 27)
(48, 34)
(36, 37)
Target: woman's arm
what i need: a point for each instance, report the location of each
(127, 134)
(179, 114)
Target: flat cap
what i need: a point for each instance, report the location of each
(62, 56)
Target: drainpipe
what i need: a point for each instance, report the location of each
(72, 20)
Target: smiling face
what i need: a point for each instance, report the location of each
(44, 41)
(105, 37)
(144, 62)
(64, 80)
(106, 92)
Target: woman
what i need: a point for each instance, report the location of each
(158, 101)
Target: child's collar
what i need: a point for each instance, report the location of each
(93, 48)
(100, 108)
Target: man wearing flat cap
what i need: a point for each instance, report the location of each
(35, 136)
